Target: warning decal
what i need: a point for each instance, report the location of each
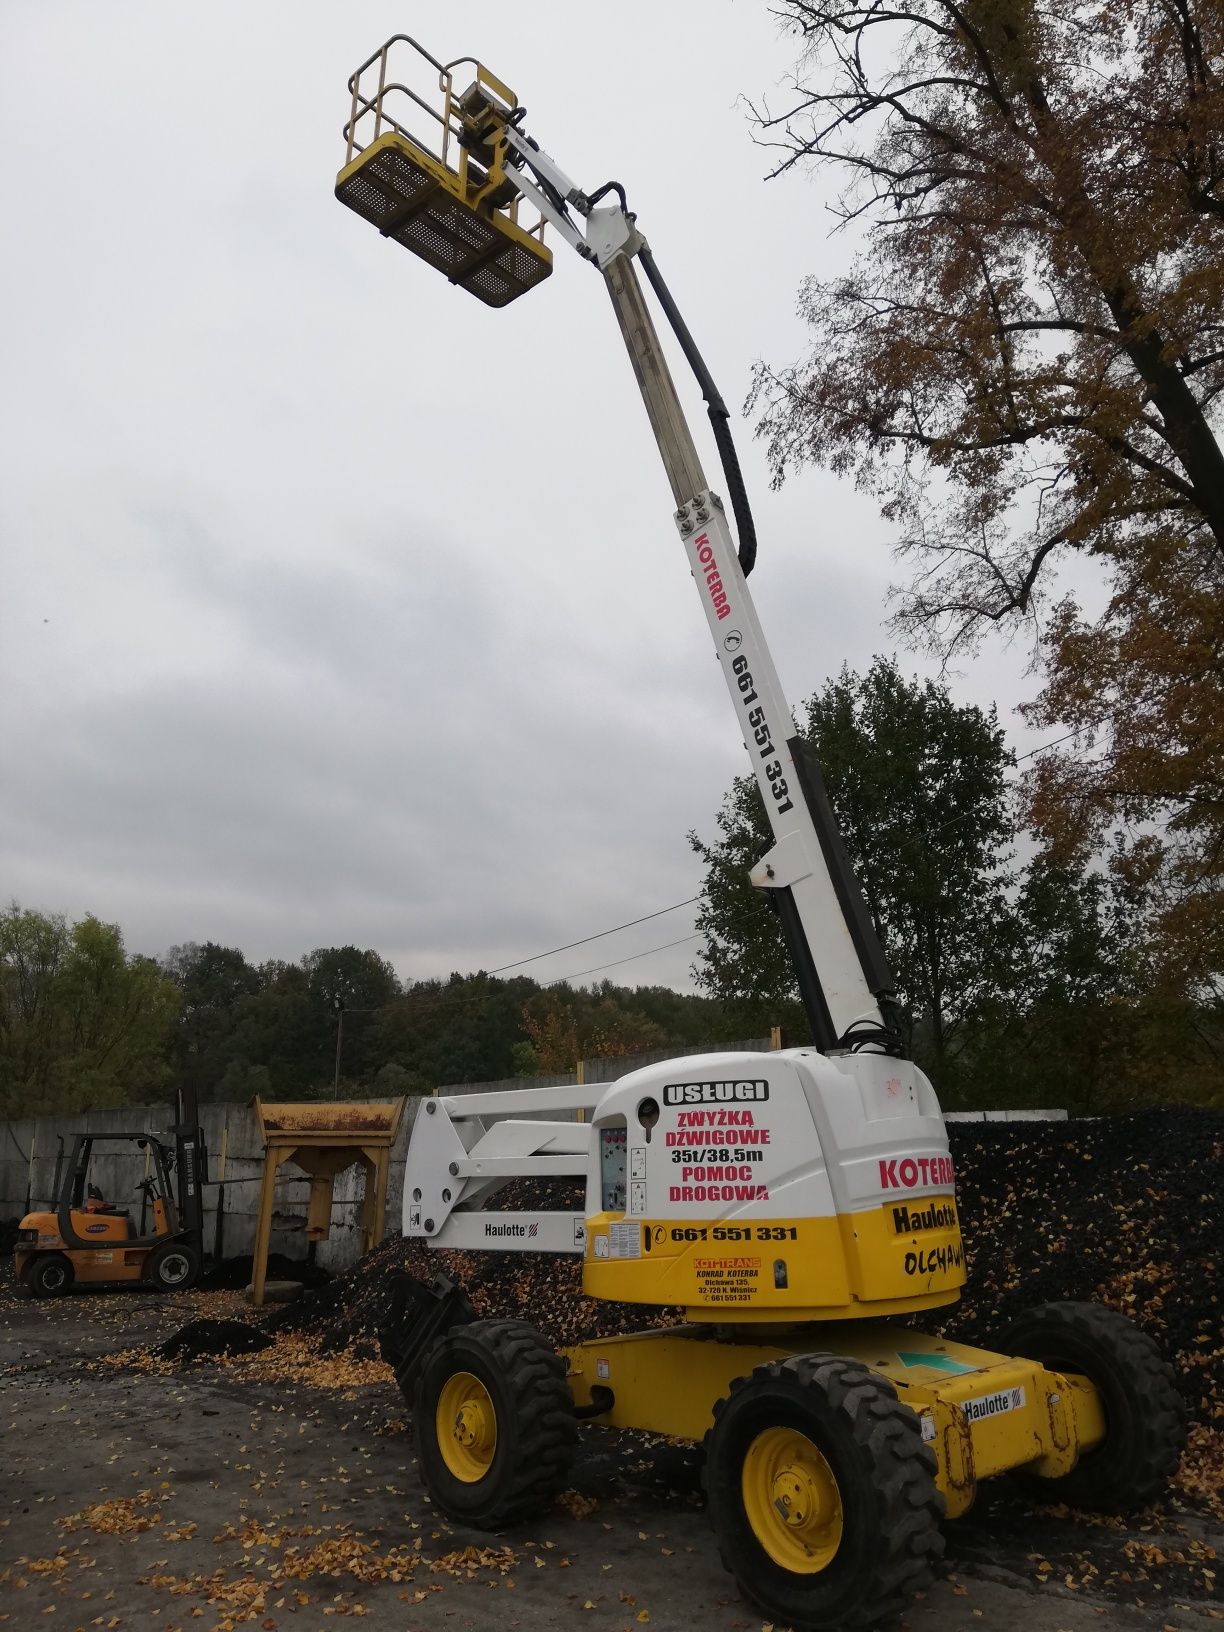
(626, 1240)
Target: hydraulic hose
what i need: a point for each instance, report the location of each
(716, 408)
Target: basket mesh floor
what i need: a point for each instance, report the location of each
(407, 201)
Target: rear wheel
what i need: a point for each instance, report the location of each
(49, 1275)
(494, 1420)
(822, 1493)
(1145, 1416)
(172, 1267)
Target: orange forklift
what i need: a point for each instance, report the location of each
(88, 1239)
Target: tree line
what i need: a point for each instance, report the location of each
(1026, 978)
(84, 1023)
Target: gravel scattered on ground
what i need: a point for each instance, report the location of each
(211, 1336)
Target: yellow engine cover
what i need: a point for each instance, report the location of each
(91, 1227)
(775, 1187)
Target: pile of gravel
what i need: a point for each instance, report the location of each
(209, 1337)
(233, 1274)
(545, 1288)
(1124, 1210)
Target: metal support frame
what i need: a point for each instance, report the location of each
(72, 1193)
(466, 1147)
(191, 1165)
(324, 1140)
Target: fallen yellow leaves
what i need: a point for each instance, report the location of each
(469, 1561)
(118, 1516)
(1201, 1474)
(44, 1566)
(341, 1556)
(295, 1358)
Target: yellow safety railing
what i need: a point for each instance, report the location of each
(426, 164)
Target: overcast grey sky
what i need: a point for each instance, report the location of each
(335, 606)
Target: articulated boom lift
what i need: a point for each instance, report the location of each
(794, 1204)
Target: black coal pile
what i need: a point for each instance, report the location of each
(1125, 1209)
(233, 1274)
(545, 1288)
(200, 1337)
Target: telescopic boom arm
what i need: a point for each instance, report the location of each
(465, 221)
(840, 964)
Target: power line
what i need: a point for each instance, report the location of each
(561, 980)
(600, 966)
(1041, 747)
(587, 939)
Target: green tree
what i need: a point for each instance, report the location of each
(467, 1028)
(362, 983)
(282, 1042)
(1026, 363)
(917, 783)
(357, 978)
(1061, 1028)
(81, 1023)
(213, 981)
(568, 1023)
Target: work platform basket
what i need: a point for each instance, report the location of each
(444, 195)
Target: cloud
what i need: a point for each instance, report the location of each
(338, 608)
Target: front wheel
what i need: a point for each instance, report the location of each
(50, 1275)
(822, 1494)
(494, 1421)
(172, 1267)
(1145, 1416)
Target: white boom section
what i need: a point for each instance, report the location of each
(460, 1153)
(792, 1135)
(796, 860)
(610, 238)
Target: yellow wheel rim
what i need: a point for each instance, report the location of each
(791, 1501)
(466, 1426)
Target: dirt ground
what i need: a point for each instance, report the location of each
(209, 1498)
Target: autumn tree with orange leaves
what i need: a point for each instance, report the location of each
(1025, 364)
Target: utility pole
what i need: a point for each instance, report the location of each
(338, 1005)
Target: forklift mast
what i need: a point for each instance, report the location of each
(464, 218)
(191, 1165)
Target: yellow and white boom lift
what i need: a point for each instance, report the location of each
(797, 1205)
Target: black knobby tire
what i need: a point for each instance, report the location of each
(885, 1478)
(536, 1431)
(49, 1275)
(172, 1267)
(1145, 1416)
